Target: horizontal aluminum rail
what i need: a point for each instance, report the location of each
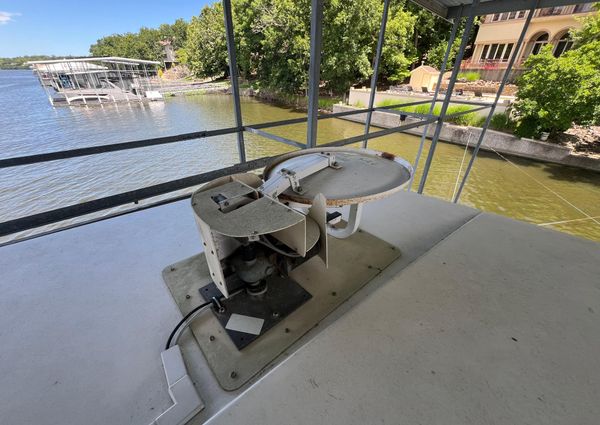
(134, 196)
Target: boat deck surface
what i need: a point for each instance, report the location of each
(482, 319)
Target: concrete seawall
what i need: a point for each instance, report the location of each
(494, 140)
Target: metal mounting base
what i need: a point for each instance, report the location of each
(352, 263)
(282, 297)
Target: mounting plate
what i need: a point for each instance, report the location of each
(353, 262)
(283, 296)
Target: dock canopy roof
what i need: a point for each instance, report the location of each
(108, 59)
(450, 9)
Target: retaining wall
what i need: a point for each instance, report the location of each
(494, 140)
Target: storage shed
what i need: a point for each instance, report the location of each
(424, 76)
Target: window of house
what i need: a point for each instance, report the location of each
(486, 48)
(539, 42)
(565, 43)
(492, 51)
(506, 16)
(497, 52)
(507, 51)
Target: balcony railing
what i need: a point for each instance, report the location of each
(488, 64)
(547, 11)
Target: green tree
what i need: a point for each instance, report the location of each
(434, 56)
(398, 50)
(144, 44)
(206, 49)
(273, 42)
(176, 33)
(590, 30)
(556, 92)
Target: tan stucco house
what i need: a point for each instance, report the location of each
(498, 34)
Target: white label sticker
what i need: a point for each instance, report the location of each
(246, 324)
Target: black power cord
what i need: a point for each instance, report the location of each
(187, 316)
(214, 301)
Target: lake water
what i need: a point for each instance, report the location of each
(558, 197)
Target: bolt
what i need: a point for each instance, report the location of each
(275, 314)
(188, 296)
(299, 188)
(172, 269)
(233, 374)
(226, 203)
(211, 338)
(334, 293)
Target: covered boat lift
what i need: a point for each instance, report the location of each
(97, 80)
(481, 319)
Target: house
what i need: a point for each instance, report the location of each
(498, 35)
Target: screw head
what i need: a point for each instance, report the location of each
(233, 374)
(172, 269)
(188, 296)
(334, 293)
(275, 314)
(211, 338)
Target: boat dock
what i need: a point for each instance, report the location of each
(480, 317)
(98, 80)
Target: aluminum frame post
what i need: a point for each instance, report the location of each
(447, 98)
(380, 40)
(488, 120)
(314, 71)
(435, 97)
(233, 75)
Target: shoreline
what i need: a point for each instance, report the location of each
(494, 141)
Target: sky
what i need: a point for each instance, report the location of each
(69, 27)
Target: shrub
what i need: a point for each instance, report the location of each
(555, 92)
(502, 122)
(470, 76)
(466, 119)
(326, 103)
(528, 127)
(387, 102)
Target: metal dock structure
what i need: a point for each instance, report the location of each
(97, 80)
(479, 320)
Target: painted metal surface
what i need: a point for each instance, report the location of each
(380, 40)
(352, 263)
(516, 53)
(233, 77)
(447, 98)
(314, 72)
(125, 304)
(363, 176)
(472, 332)
(435, 97)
